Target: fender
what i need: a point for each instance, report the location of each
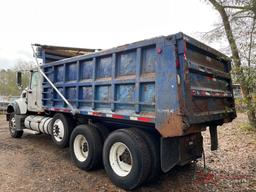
(19, 107)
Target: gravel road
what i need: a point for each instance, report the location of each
(33, 163)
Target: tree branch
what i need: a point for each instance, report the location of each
(236, 7)
(238, 12)
(250, 44)
(229, 32)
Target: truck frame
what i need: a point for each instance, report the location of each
(138, 109)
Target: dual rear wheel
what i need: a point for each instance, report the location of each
(126, 154)
(86, 147)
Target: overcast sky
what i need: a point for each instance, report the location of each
(94, 24)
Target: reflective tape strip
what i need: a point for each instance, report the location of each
(134, 118)
(108, 115)
(145, 119)
(196, 92)
(97, 114)
(100, 114)
(66, 110)
(59, 109)
(118, 116)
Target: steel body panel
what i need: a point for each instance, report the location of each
(121, 82)
(206, 83)
(162, 79)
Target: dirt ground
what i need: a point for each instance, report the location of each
(33, 163)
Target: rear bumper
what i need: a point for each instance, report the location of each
(216, 119)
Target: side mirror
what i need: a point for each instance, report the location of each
(19, 78)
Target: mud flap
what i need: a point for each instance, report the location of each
(214, 137)
(19, 120)
(180, 150)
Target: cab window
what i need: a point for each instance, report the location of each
(34, 80)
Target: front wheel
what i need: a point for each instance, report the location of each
(126, 158)
(12, 127)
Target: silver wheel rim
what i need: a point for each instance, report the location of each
(81, 148)
(120, 159)
(12, 125)
(58, 130)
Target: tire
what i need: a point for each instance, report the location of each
(12, 127)
(154, 147)
(92, 158)
(127, 175)
(62, 127)
(103, 131)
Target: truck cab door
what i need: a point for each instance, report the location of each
(34, 94)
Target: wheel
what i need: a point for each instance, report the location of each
(154, 147)
(103, 131)
(86, 147)
(12, 127)
(126, 158)
(62, 126)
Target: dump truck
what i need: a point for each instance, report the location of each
(137, 109)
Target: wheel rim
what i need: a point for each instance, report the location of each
(120, 159)
(58, 130)
(81, 148)
(12, 125)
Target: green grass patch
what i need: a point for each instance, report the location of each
(247, 127)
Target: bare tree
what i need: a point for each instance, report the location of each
(8, 85)
(238, 21)
(22, 65)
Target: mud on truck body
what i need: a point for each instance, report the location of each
(138, 109)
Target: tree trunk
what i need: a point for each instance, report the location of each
(251, 112)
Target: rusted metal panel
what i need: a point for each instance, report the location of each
(205, 83)
(203, 60)
(171, 124)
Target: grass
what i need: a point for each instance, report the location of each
(247, 127)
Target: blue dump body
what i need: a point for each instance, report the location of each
(173, 83)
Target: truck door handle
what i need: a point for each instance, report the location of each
(30, 91)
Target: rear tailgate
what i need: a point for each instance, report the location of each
(206, 85)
